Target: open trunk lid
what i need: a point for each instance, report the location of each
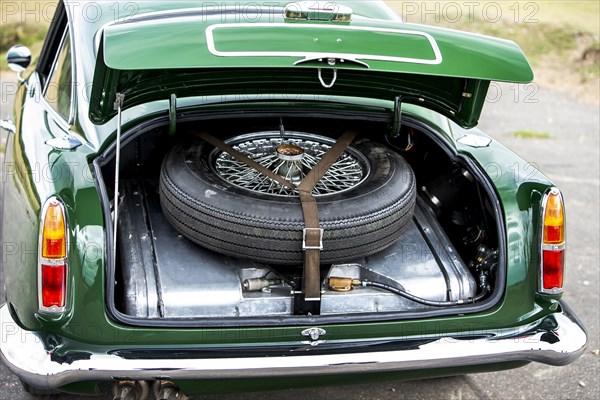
(193, 53)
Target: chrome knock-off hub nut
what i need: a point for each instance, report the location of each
(291, 168)
(289, 152)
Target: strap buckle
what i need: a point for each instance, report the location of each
(305, 231)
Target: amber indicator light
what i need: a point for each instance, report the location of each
(54, 244)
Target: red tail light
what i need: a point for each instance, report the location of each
(53, 285)
(53, 257)
(553, 243)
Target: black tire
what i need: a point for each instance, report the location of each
(233, 221)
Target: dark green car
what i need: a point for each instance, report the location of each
(213, 197)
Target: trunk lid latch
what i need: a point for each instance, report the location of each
(331, 61)
(314, 334)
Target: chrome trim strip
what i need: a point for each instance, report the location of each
(315, 55)
(60, 121)
(557, 339)
(68, 120)
(65, 123)
(74, 80)
(554, 247)
(55, 61)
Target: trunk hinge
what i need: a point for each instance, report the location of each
(172, 114)
(118, 106)
(404, 142)
(397, 121)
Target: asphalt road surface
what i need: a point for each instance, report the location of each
(571, 158)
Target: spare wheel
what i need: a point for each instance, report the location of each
(365, 199)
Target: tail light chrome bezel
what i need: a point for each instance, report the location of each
(53, 200)
(553, 191)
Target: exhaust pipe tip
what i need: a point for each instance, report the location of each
(130, 390)
(166, 390)
(125, 390)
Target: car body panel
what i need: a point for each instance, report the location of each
(198, 41)
(37, 172)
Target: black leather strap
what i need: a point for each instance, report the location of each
(313, 233)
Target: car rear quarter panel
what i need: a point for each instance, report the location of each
(34, 172)
(520, 187)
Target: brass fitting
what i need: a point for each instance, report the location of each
(338, 284)
(258, 284)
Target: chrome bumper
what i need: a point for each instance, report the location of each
(558, 340)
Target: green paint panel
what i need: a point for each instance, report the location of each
(150, 58)
(175, 43)
(301, 38)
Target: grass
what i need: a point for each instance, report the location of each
(528, 134)
(536, 40)
(30, 35)
(26, 34)
(581, 15)
(24, 22)
(540, 28)
(561, 38)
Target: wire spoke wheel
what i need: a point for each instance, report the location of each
(291, 156)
